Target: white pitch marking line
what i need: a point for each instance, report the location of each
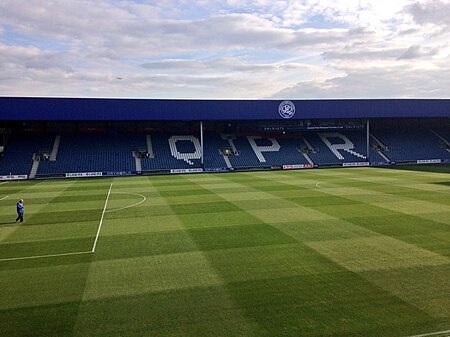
(3, 198)
(42, 256)
(138, 203)
(101, 219)
(431, 333)
(318, 186)
(67, 254)
(4, 182)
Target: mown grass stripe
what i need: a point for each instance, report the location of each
(282, 182)
(147, 272)
(198, 262)
(10, 215)
(398, 189)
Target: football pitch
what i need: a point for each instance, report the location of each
(335, 252)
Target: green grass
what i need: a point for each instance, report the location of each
(336, 252)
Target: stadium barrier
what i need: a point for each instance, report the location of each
(365, 163)
(194, 170)
(253, 168)
(429, 161)
(122, 173)
(83, 174)
(382, 163)
(295, 167)
(14, 177)
(218, 169)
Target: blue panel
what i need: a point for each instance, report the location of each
(33, 108)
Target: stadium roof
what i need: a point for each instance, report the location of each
(115, 109)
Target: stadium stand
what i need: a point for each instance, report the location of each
(173, 152)
(214, 143)
(18, 156)
(256, 151)
(94, 152)
(410, 145)
(340, 147)
(178, 150)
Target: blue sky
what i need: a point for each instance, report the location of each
(225, 49)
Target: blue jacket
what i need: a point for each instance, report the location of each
(19, 208)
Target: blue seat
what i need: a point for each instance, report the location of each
(18, 155)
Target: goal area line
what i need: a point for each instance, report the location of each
(74, 253)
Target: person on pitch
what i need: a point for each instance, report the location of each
(20, 210)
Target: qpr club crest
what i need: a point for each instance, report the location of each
(286, 109)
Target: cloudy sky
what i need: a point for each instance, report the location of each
(225, 48)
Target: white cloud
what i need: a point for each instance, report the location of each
(404, 80)
(436, 13)
(415, 52)
(248, 49)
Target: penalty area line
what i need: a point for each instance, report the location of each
(432, 333)
(101, 219)
(3, 198)
(66, 254)
(42, 256)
